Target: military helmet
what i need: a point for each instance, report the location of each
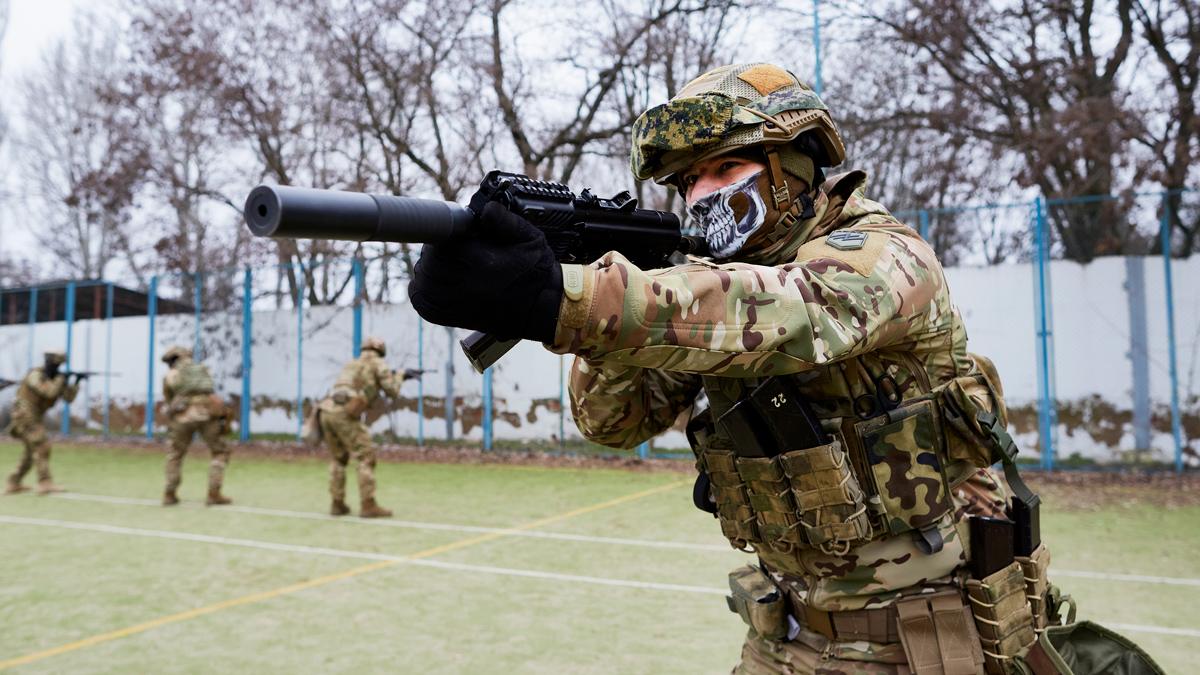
(730, 108)
(55, 356)
(176, 352)
(375, 344)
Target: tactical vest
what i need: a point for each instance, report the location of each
(356, 381)
(193, 380)
(894, 446)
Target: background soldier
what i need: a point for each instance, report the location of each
(39, 391)
(812, 293)
(193, 406)
(339, 418)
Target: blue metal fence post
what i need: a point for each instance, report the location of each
(108, 324)
(923, 229)
(69, 317)
(358, 298)
(1046, 409)
(247, 331)
(562, 408)
(300, 354)
(487, 409)
(1165, 239)
(151, 313)
(643, 450)
(32, 321)
(449, 402)
(817, 44)
(420, 382)
(197, 300)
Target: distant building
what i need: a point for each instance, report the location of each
(90, 302)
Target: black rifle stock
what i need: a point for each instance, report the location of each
(579, 228)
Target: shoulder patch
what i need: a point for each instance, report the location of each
(859, 249)
(847, 240)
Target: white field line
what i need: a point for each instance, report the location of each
(282, 513)
(410, 524)
(484, 569)
(358, 555)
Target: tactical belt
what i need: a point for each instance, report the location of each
(873, 625)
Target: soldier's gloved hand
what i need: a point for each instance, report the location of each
(502, 279)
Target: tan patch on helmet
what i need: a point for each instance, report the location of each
(766, 78)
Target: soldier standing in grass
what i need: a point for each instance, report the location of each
(192, 406)
(340, 424)
(39, 391)
(842, 430)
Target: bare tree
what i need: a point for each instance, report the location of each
(1035, 80)
(1168, 124)
(79, 169)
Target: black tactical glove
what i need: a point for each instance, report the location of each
(501, 279)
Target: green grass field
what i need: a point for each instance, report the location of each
(102, 579)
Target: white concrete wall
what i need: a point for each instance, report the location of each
(1090, 325)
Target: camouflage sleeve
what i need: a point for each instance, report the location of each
(741, 320)
(389, 380)
(45, 387)
(620, 406)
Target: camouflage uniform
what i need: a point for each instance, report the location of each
(193, 407)
(339, 416)
(37, 394)
(838, 315)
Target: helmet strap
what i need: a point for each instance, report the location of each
(779, 188)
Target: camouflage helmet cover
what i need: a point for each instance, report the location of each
(176, 352)
(726, 109)
(55, 356)
(375, 344)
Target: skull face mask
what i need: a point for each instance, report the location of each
(730, 215)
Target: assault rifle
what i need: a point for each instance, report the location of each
(5, 384)
(415, 373)
(85, 374)
(579, 228)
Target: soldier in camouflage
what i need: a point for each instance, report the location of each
(339, 418)
(860, 541)
(39, 391)
(193, 406)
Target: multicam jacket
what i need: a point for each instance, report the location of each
(836, 314)
(363, 378)
(39, 393)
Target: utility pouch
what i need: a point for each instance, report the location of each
(1037, 584)
(771, 500)
(1085, 648)
(757, 599)
(962, 399)
(830, 504)
(738, 523)
(1002, 616)
(937, 634)
(904, 450)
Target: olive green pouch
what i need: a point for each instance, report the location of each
(829, 500)
(737, 519)
(1084, 648)
(757, 599)
(771, 500)
(1002, 616)
(904, 450)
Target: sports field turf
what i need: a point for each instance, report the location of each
(486, 568)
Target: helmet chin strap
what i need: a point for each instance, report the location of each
(792, 209)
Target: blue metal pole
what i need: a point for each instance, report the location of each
(69, 316)
(1165, 237)
(247, 330)
(108, 324)
(817, 43)
(562, 407)
(33, 293)
(151, 312)
(924, 227)
(487, 409)
(1045, 404)
(358, 297)
(300, 354)
(420, 382)
(197, 299)
(448, 409)
(643, 450)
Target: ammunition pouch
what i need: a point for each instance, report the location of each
(937, 634)
(1084, 648)
(760, 602)
(1003, 617)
